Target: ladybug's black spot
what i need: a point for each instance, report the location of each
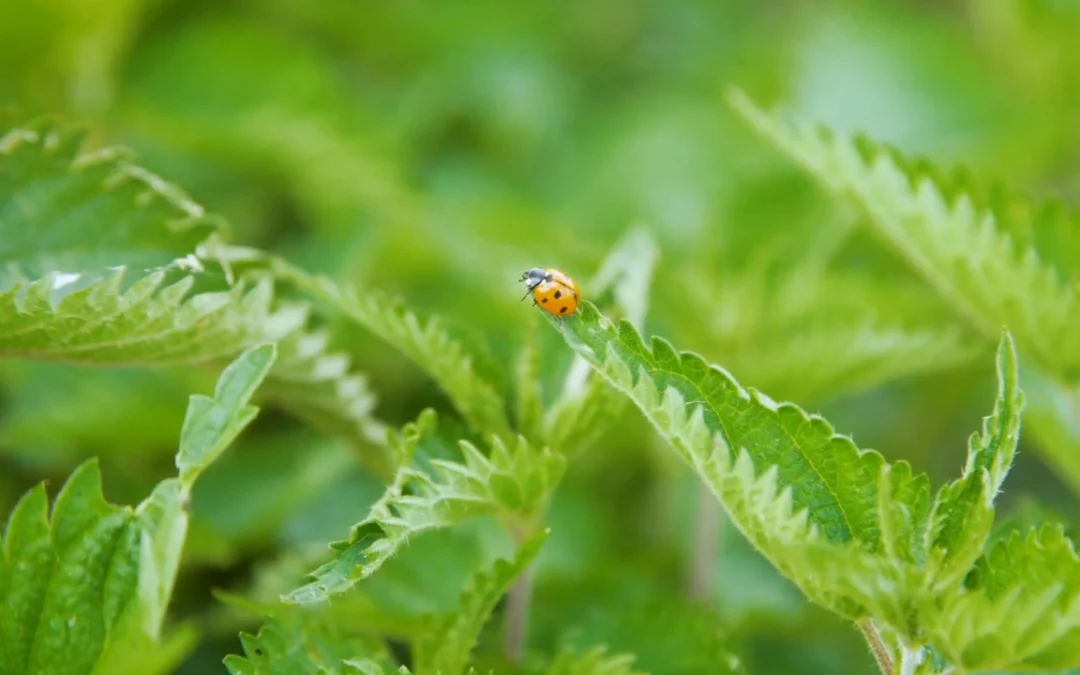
(562, 310)
(543, 299)
(558, 294)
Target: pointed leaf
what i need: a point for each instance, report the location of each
(963, 511)
(512, 481)
(212, 424)
(842, 523)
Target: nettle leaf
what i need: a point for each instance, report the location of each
(445, 646)
(596, 661)
(512, 482)
(85, 213)
(1020, 608)
(847, 527)
(426, 343)
(212, 423)
(86, 589)
(73, 226)
(303, 645)
(998, 259)
(962, 515)
(148, 323)
(103, 262)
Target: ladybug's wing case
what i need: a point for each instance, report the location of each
(563, 279)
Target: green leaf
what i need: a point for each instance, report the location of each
(85, 213)
(998, 259)
(843, 524)
(445, 646)
(86, 590)
(74, 228)
(147, 323)
(426, 343)
(212, 423)
(1020, 608)
(303, 645)
(596, 661)
(512, 482)
(962, 515)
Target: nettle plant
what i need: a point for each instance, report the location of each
(85, 586)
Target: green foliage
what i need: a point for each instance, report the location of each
(363, 185)
(72, 224)
(998, 258)
(858, 535)
(85, 588)
(512, 482)
(1019, 608)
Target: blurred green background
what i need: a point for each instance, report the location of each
(435, 150)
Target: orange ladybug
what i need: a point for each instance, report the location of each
(553, 291)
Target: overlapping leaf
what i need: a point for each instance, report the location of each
(74, 226)
(103, 262)
(512, 481)
(997, 258)
(85, 213)
(854, 532)
(86, 589)
(1020, 608)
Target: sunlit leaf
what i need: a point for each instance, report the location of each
(843, 524)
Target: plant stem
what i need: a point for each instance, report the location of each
(877, 647)
(707, 530)
(517, 611)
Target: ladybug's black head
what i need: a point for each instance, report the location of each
(533, 277)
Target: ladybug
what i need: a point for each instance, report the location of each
(553, 291)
